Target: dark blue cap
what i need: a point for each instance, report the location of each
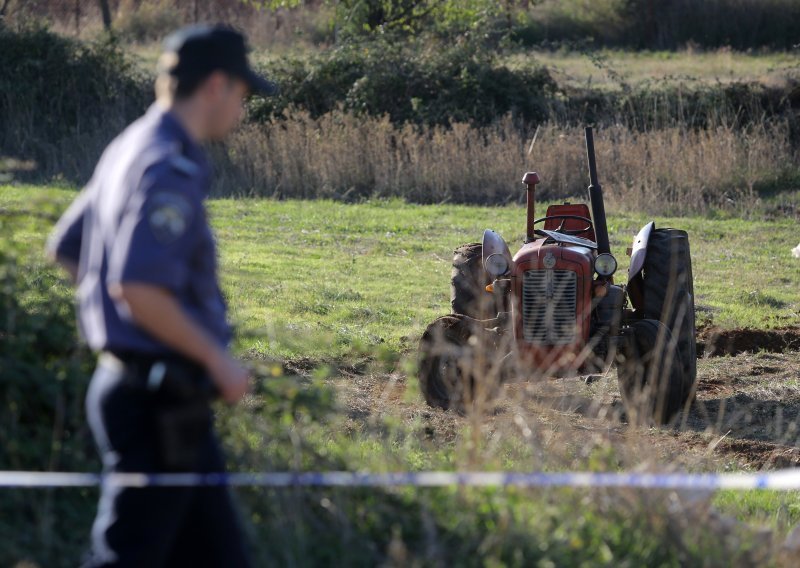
(202, 49)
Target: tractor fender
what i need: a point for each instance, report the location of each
(638, 254)
(639, 250)
(492, 243)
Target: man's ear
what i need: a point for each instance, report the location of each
(215, 84)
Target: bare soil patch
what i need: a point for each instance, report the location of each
(746, 416)
(715, 342)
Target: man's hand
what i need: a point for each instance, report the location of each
(156, 311)
(232, 380)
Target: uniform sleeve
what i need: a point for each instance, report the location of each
(158, 231)
(65, 240)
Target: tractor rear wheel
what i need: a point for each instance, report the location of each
(650, 376)
(668, 293)
(452, 368)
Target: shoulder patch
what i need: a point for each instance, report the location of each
(183, 165)
(169, 216)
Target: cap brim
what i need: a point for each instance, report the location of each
(258, 85)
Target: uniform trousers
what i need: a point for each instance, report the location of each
(154, 526)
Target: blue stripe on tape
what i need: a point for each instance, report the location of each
(787, 479)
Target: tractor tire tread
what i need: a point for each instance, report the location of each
(668, 292)
(642, 361)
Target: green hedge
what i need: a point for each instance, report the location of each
(410, 82)
(44, 372)
(62, 100)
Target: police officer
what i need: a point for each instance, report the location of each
(138, 244)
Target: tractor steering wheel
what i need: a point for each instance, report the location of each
(561, 229)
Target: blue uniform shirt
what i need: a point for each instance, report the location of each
(141, 218)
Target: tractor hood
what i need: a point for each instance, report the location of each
(543, 254)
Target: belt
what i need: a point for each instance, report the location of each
(151, 370)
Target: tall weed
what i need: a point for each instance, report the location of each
(342, 156)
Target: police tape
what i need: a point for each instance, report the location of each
(784, 480)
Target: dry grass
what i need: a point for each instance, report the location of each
(342, 156)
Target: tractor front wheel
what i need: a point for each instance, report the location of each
(452, 363)
(468, 281)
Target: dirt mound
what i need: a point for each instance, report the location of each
(761, 455)
(715, 342)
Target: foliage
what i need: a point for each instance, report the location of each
(61, 95)
(354, 18)
(427, 81)
(43, 376)
(410, 83)
(639, 24)
(419, 81)
(358, 17)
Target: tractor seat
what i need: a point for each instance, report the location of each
(579, 209)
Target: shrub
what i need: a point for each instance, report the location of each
(43, 376)
(410, 83)
(63, 100)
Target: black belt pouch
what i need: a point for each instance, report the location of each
(183, 393)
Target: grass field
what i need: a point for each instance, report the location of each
(341, 277)
(607, 69)
(330, 300)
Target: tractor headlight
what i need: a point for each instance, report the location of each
(605, 264)
(496, 264)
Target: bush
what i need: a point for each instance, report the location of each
(63, 100)
(43, 377)
(410, 83)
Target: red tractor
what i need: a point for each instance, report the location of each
(553, 310)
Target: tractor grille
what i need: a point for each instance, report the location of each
(548, 306)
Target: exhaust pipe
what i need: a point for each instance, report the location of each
(596, 198)
(530, 180)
